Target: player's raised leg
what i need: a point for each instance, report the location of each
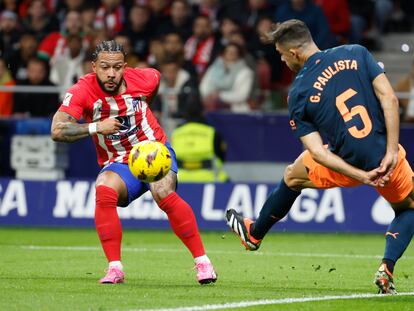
(397, 238)
(399, 192)
(276, 206)
(184, 225)
(110, 192)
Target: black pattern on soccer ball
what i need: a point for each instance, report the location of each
(151, 157)
(142, 175)
(159, 175)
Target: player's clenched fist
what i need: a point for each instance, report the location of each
(108, 126)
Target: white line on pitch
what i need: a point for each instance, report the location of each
(172, 250)
(244, 304)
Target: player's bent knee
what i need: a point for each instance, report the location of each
(160, 194)
(292, 180)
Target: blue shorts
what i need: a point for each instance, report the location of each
(135, 187)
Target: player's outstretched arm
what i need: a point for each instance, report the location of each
(389, 104)
(313, 142)
(65, 128)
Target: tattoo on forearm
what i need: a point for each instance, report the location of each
(70, 132)
(72, 129)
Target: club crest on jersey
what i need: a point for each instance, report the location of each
(138, 102)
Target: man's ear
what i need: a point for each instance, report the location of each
(93, 66)
(294, 53)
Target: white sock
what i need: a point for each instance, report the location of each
(116, 264)
(203, 258)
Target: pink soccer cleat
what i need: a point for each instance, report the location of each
(113, 276)
(205, 273)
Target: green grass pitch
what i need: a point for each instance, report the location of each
(57, 269)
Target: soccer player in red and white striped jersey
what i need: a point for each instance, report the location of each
(114, 102)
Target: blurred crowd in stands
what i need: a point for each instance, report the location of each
(210, 52)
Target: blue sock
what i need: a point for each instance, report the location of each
(399, 235)
(276, 207)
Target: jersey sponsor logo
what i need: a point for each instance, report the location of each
(125, 129)
(66, 99)
(122, 135)
(125, 124)
(292, 124)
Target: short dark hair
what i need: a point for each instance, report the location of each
(239, 49)
(110, 46)
(293, 32)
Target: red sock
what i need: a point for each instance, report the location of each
(107, 222)
(183, 223)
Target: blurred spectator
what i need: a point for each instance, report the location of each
(35, 104)
(213, 9)
(110, 17)
(9, 34)
(199, 148)
(87, 64)
(406, 85)
(177, 89)
(159, 10)
(312, 15)
(199, 47)
(97, 38)
(9, 5)
(263, 50)
(273, 75)
(227, 27)
(228, 82)
(39, 21)
(257, 97)
(404, 15)
(55, 43)
(131, 59)
(27, 50)
(383, 8)
(88, 15)
(139, 30)
(66, 68)
(179, 21)
(6, 98)
(368, 20)
(249, 12)
(24, 7)
(156, 53)
(173, 47)
(339, 19)
(64, 7)
(238, 38)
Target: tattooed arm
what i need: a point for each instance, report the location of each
(65, 128)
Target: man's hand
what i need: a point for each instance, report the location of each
(370, 178)
(108, 126)
(386, 168)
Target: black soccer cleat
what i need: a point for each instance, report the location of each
(241, 226)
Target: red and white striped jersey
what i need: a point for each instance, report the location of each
(86, 99)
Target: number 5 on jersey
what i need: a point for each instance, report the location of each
(347, 114)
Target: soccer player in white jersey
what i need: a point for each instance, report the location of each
(114, 102)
